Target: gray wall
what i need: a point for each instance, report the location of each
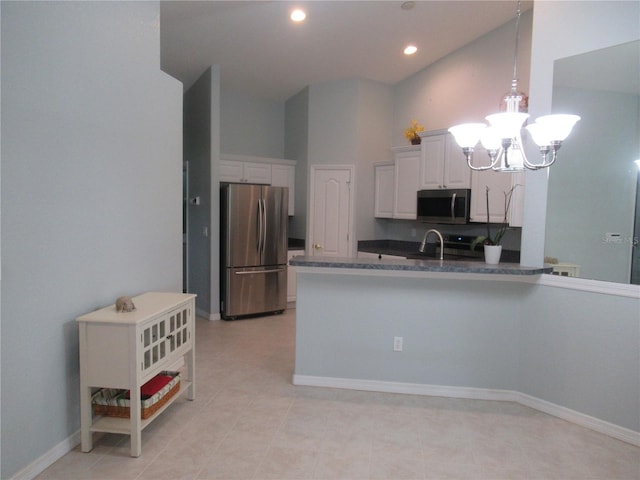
(375, 109)
(251, 125)
(198, 151)
(296, 148)
(593, 25)
(557, 345)
(91, 196)
(356, 317)
(592, 187)
(581, 350)
(466, 85)
(349, 123)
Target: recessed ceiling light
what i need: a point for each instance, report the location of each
(298, 15)
(410, 49)
(408, 5)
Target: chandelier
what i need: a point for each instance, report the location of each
(502, 138)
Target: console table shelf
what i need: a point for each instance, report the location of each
(125, 350)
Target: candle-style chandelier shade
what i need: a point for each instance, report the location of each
(502, 138)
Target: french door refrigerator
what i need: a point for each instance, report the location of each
(253, 249)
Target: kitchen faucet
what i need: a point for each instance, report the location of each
(424, 242)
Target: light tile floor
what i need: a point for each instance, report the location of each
(249, 422)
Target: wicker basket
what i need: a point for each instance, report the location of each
(114, 402)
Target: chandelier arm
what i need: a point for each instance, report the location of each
(545, 151)
(493, 155)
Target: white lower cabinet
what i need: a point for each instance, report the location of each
(126, 350)
(291, 276)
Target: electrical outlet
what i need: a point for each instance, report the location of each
(397, 344)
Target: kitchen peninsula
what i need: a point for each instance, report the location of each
(465, 329)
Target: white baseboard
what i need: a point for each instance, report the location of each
(601, 426)
(593, 423)
(408, 388)
(207, 315)
(39, 465)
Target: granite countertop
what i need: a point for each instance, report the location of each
(403, 248)
(400, 264)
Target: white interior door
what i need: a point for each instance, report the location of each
(330, 211)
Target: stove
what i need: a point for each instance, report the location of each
(460, 245)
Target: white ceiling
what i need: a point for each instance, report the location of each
(262, 53)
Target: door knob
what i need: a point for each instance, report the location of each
(317, 246)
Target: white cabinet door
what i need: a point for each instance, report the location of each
(443, 165)
(457, 173)
(499, 184)
(406, 182)
(291, 276)
(257, 173)
(285, 176)
(245, 172)
(231, 171)
(383, 191)
(432, 162)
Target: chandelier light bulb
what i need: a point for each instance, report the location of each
(540, 134)
(490, 139)
(467, 135)
(507, 124)
(559, 125)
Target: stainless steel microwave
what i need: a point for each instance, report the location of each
(444, 206)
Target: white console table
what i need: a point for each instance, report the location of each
(125, 350)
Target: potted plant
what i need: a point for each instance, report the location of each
(492, 245)
(412, 132)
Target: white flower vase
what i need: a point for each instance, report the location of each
(492, 254)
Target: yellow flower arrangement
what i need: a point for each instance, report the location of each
(411, 133)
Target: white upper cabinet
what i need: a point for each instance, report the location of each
(384, 190)
(285, 176)
(245, 172)
(443, 165)
(499, 184)
(277, 172)
(406, 182)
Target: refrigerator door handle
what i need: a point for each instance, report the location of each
(259, 236)
(253, 272)
(264, 229)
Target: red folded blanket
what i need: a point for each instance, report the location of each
(153, 386)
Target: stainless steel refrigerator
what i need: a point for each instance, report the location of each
(253, 249)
